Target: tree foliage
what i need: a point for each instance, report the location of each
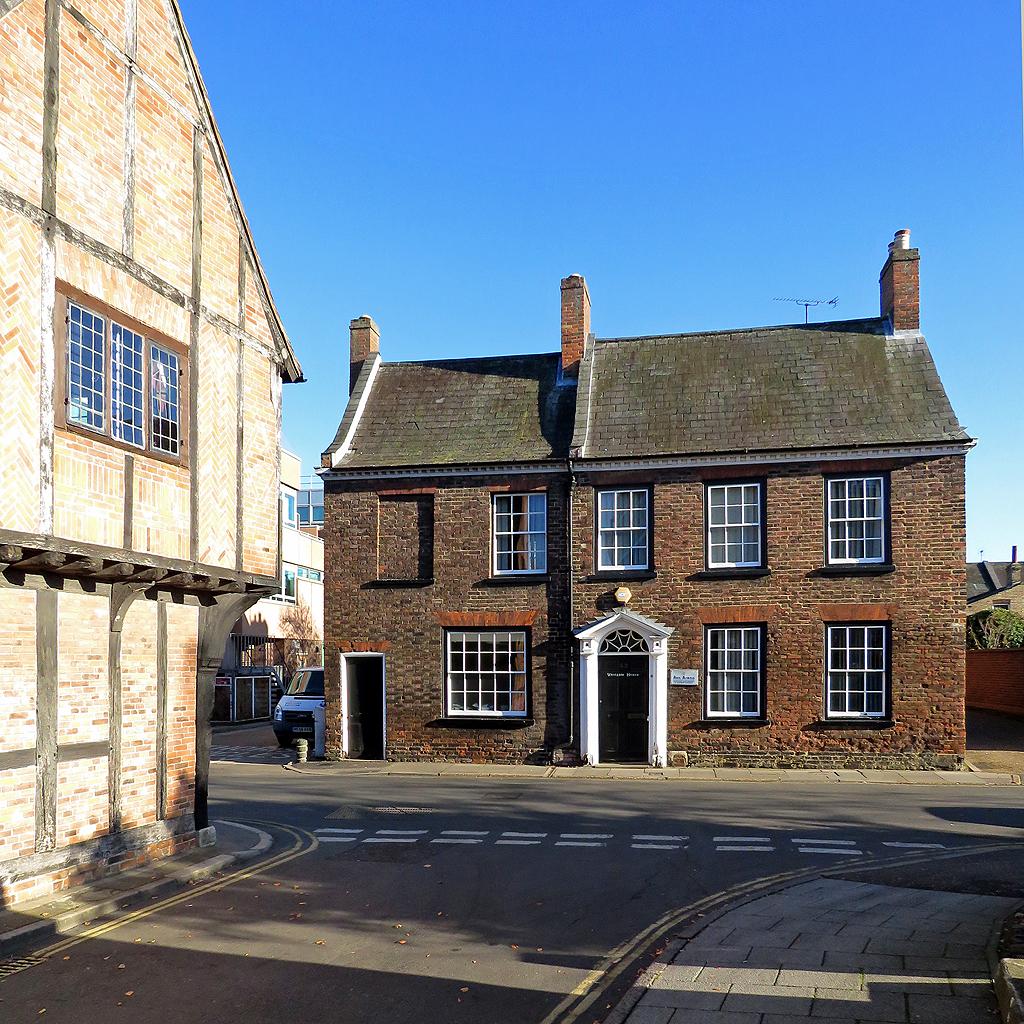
(994, 628)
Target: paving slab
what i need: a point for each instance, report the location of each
(907, 973)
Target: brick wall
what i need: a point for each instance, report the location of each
(218, 433)
(88, 487)
(161, 511)
(91, 148)
(361, 615)
(21, 101)
(138, 715)
(926, 592)
(182, 631)
(260, 492)
(995, 680)
(19, 367)
(18, 713)
(163, 188)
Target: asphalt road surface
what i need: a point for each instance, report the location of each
(405, 899)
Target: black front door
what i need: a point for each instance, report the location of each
(365, 722)
(624, 702)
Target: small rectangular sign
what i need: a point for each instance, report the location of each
(685, 676)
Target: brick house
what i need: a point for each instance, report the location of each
(143, 360)
(738, 547)
(996, 585)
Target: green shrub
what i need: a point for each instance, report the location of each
(994, 628)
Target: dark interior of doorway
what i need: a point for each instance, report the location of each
(365, 707)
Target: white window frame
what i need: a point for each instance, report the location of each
(538, 556)
(862, 519)
(744, 631)
(289, 507)
(722, 530)
(617, 510)
(283, 595)
(458, 669)
(847, 671)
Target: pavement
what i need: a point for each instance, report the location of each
(830, 951)
(34, 923)
(877, 776)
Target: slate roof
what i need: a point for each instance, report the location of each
(986, 578)
(461, 411)
(765, 389)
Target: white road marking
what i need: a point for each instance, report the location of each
(841, 851)
(460, 832)
(402, 831)
(741, 839)
(585, 835)
(517, 842)
(388, 839)
(524, 835)
(661, 839)
(916, 846)
(747, 849)
(824, 842)
(454, 842)
(339, 831)
(337, 839)
(654, 846)
(578, 844)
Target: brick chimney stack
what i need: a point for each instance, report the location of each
(575, 323)
(899, 284)
(364, 341)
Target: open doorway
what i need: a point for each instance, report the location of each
(362, 705)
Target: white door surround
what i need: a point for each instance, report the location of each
(344, 695)
(590, 637)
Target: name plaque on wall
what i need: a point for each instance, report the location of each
(685, 676)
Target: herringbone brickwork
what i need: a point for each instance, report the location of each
(90, 168)
(21, 101)
(218, 432)
(19, 363)
(220, 245)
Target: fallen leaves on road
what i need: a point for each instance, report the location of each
(120, 967)
(130, 992)
(319, 942)
(465, 989)
(402, 942)
(513, 947)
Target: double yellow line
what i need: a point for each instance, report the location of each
(298, 849)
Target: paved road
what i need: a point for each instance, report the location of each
(425, 899)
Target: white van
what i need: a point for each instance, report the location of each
(293, 716)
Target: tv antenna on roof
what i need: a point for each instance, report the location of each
(807, 303)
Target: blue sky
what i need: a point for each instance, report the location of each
(442, 167)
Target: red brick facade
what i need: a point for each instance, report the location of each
(995, 681)
(407, 619)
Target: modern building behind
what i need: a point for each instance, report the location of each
(265, 642)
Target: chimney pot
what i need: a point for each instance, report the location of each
(899, 285)
(575, 323)
(364, 342)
